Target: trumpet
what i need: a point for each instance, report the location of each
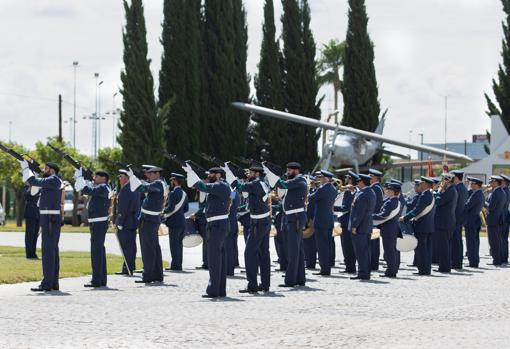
(348, 187)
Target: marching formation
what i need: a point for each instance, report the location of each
(304, 213)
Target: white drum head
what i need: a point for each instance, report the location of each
(407, 243)
(191, 240)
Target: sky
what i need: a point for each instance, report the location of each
(424, 50)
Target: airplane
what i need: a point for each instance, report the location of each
(349, 146)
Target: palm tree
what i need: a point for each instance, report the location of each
(329, 65)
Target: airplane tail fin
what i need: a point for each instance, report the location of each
(380, 128)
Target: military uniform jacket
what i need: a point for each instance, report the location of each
(218, 199)
(232, 215)
(324, 199)
(177, 207)
(51, 193)
(257, 197)
(31, 206)
(294, 200)
(345, 208)
(473, 207)
(379, 196)
(411, 204)
(362, 210)
(128, 208)
(99, 202)
(152, 205)
(461, 202)
(423, 213)
(446, 203)
(310, 208)
(495, 207)
(387, 218)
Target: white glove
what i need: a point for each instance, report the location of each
(229, 175)
(80, 183)
(130, 173)
(271, 177)
(187, 168)
(134, 182)
(119, 227)
(26, 174)
(192, 178)
(78, 173)
(34, 190)
(23, 164)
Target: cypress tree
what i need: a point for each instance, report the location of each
(299, 82)
(360, 92)
(179, 77)
(142, 129)
(269, 133)
(223, 133)
(501, 87)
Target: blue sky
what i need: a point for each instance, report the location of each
(425, 49)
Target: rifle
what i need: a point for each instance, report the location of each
(86, 173)
(136, 170)
(197, 168)
(276, 169)
(32, 164)
(236, 169)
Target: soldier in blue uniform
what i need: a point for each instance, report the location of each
(473, 223)
(444, 222)
(128, 211)
(410, 205)
(294, 219)
(375, 245)
(422, 217)
(201, 226)
(217, 215)
(506, 220)
(50, 220)
(403, 210)
(175, 220)
(361, 225)
(31, 215)
(243, 216)
(495, 210)
(323, 200)
(233, 233)
(98, 214)
(344, 211)
(457, 249)
(387, 220)
(150, 220)
(309, 245)
(256, 253)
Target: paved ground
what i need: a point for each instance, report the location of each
(468, 309)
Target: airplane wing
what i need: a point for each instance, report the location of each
(329, 126)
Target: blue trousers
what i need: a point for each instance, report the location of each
(151, 251)
(424, 253)
(98, 252)
(332, 247)
(375, 252)
(456, 247)
(442, 246)
(310, 250)
(281, 241)
(361, 244)
(389, 241)
(201, 226)
(295, 274)
(323, 242)
(50, 231)
(256, 254)
(175, 236)
(473, 244)
(31, 235)
(348, 250)
(494, 235)
(217, 233)
(230, 243)
(504, 242)
(127, 238)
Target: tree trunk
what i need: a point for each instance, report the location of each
(75, 222)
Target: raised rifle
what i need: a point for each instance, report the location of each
(32, 164)
(237, 170)
(138, 171)
(86, 173)
(196, 167)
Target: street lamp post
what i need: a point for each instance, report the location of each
(73, 127)
(94, 121)
(99, 117)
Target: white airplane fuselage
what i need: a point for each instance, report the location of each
(349, 151)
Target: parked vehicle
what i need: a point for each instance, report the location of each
(2, 215)
(68, 207)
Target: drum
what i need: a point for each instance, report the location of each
(407, 243)
(376, 234)
(192, 238)
(308, 231)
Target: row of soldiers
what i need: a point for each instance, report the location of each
(435, 218)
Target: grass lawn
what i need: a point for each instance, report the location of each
(10, 226)
(14, 267)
